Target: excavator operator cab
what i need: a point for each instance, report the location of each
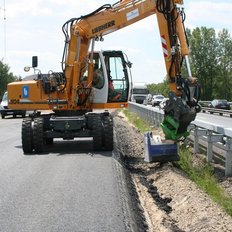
(111, 77)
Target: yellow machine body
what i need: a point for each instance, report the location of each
(90, 80)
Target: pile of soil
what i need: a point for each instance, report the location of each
(170, 200)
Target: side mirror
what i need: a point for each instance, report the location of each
(34, 61)
(34, 64)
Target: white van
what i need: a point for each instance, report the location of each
(5, 111)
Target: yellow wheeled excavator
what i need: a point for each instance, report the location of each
(100, 80)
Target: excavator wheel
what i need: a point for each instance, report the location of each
(27, 136)
(108, 135)
(97, 132)
(49, 141)
(38, 135)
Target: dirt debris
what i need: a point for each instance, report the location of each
(171, 201)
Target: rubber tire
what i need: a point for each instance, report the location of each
(3, 116)
(27, 136)
(97, 132)
(108, 133)
(38, 136)
(23, 114)
(49, 141)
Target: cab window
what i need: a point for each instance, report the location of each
(98, 76)
(117, 82)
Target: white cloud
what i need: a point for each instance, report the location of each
(209, 14)
(26, 8)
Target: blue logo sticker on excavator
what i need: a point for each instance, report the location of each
(26, 91)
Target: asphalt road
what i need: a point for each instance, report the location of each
(64, 189)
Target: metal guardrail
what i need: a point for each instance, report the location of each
(205, 108)
(216, 111)
(213, 136)
(207, 102)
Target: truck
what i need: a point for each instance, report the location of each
(139, 93)
(5, 111)
(74, 95)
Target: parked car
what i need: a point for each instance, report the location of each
(156, 99)
(6, 111)
(219, 104)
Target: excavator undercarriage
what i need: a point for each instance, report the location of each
(40, 130)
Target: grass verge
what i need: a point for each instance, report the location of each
(139, 123)
(202, 175)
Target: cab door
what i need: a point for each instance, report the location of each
(118, 78)
(100, 87)
(114, 84)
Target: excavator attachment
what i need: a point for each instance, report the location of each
(177, 117)
(171, 129)
(157, 150)
(178, 114)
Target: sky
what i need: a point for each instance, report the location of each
(34, 28)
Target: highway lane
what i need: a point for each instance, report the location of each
(67, 188)
(223, 121)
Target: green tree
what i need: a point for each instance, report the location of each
(203, 45)
(5, 77)
(224, 79)
(160, 88)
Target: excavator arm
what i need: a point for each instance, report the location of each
(184, 94)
